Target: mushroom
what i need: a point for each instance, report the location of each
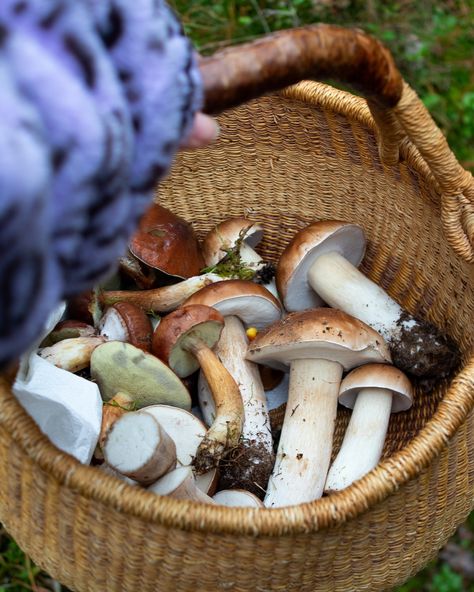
(317, 346)
(184, 339)
(319, 265)
(238, 235)
(187, 432)
(242, 303)
(160, 300)
(112, 410)
(180, 484)
(139, 448)
(119, 367)
(126, 322)
(68, 330)
(168, 244)
(71, 354)
(373, 392)
(237, 498)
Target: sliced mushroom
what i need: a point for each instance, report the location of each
(125, 321)
(237, 498)
(243, 302)
(71, 354)
(184, 339)
(122, 367)
(373, 392)
(316, 345)
(187, 432)
(320, 263)
(180, 484)
(112, 410)
(139, 448)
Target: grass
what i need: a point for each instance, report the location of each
(432, 44)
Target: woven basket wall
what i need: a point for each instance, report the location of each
(286, 160)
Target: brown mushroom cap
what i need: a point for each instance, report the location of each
(305, 247)
(132, 320)
(381, 376)
(325, 333)
(252, 303)
(167, 243)
(224, 236)
(197, 320)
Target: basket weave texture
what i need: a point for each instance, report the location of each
(286, 160)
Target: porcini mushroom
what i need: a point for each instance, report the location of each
(239, 235)
(243, 303)
(68, 329)
(319, 265)
(317, 345)
(168, 244)
(180, 484)
(187, 432)
(184, 339)
(122, 367)
(373, 392)
(237, 498)
(139, 448)
(126, 322)
(71, 354)
(112, 410)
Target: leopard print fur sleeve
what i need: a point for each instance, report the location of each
(95, 97)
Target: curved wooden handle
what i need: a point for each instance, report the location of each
(238, 74)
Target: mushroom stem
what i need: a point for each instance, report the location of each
(416, 346)
(224, 434)
(254, 462)
(165, 299)
(364, 438)
(304, 451)
(72, 354)
(180, 484)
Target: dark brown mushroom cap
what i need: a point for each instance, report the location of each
(195, 320)
(301, 252)
(223, 236)
(134, 321)
(383, 376)
(252, 303)
(167, 243)
(324, 333)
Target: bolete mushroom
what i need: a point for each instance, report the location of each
(317, 346)
(112, 410)
(184, 339)
(139, 448)
(319, 264)
(243, 303)
(373, 391)
(237, 498)
(119, 367)
(68, 329)
(168, 244)
(71, 354)
(180, 484)
(125, 321)
(238, 236)
(187, 432)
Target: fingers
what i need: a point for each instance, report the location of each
(204, 131)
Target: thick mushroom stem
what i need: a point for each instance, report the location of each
(364, 438)
(416, 346)
(255, 452)
(304, 451)
(224, 434)
(164, 299)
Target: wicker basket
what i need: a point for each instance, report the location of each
(309, 152)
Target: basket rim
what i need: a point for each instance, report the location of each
(389, 475)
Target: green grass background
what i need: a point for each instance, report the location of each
(433, 45)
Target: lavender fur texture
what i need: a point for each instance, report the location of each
(96, 96)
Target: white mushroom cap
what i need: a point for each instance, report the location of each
(224, 236)
(322, 333)
(303, 250)
(381, 376)
(252, 303)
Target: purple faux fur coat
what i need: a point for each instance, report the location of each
(95, 97)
